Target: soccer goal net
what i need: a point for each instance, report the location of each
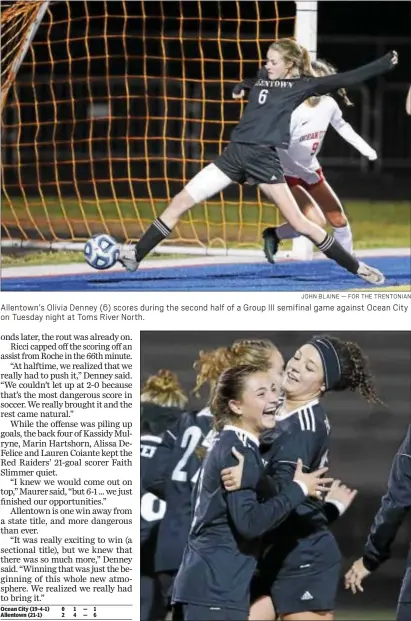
(109, 108)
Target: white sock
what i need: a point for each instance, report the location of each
(343, 235)
(286, 231)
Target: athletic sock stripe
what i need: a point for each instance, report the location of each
(326, 243)
(164, 230)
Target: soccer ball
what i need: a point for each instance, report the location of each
(101, 252)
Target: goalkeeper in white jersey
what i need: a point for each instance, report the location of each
(303, 172)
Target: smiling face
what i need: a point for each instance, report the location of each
(276, 66)
(304, 374)
(276, 373)
(255, 409)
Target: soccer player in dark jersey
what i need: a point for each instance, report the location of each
(395, 505)
(219, 559)
(251, 156)
(182, 442)
(300, 563)
(161, 402)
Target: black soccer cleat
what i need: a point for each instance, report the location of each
(271, 243)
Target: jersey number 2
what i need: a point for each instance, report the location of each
(191, 437)
(262, 97)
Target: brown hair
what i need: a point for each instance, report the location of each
(294, 53)
(324, 67)
(355, 370)
(211, 364)
(163, 389)
(229, 387)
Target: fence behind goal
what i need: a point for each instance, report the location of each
(116, 105)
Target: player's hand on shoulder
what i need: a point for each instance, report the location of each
(314, 482)
(394, 58)
(231, 477)
(341, 494)
(355, 575)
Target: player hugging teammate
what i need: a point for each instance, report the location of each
(260, 498)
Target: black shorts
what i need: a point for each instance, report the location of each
(404, 602)
(192, 612)
(305, 580)
(250, 163)
(166, 579)
(151, 606)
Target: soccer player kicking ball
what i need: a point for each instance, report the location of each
(394, 507)
(252, 157)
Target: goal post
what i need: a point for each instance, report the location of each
(95, 139)
(18, 41)
(306, 35)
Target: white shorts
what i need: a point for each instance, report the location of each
(207, 182)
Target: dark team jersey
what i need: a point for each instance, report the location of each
(394, 507)
(183, 466)
(266, 118)
(161, 420)
(220, 556)
(152, 509)
(155, 418)
(302, 434)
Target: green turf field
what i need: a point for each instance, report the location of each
(374, 224)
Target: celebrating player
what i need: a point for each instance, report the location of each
(252, 152)
(162, 398)
(172, 474)
(394, 507)
(300, 563)
(161, 401)
(302, 170)
(219, 559)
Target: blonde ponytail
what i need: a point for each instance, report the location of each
(163, 389)
(306, 67)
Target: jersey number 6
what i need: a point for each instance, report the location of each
(262, 97)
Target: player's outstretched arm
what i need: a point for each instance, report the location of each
(394, 507)
(323, 85)
(347, 132)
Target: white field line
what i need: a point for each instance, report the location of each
(82, 268)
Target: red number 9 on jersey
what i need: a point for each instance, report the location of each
(314, 147)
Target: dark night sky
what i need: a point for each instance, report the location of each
(373, 18)
(335, 18)
(364, 18)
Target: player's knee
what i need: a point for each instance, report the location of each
(337, 219)
(181, 202)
